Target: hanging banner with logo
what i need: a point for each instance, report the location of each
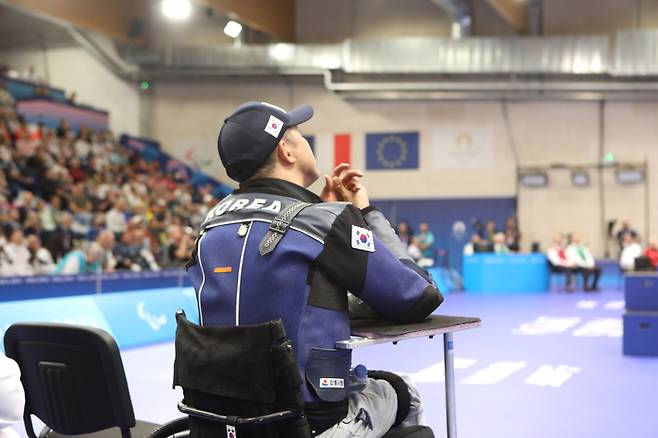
(392, 150)
(462, 147)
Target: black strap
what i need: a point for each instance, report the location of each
(279, 227)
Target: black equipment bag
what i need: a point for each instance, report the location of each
(242, 372)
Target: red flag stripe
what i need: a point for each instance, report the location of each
(342, 144)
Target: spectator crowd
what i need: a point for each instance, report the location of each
(76, 202)
(488, 238)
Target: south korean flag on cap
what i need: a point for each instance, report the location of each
(230, 431)
(273, 126)
(362, 239)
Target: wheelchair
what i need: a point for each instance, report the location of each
(242, 382)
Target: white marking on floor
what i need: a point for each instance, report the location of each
(587, 304)
(600, 327)
(436, 373)
(546, 325)
(494, 373)
(549, 375)
(615, 305)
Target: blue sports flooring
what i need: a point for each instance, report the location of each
(541, 366)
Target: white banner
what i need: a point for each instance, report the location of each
(458, 147)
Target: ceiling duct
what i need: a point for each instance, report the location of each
(580, 55)
(636, 53)
(571, 67)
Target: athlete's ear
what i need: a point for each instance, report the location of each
(284, 152)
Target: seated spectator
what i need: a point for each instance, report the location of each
(625, 230)
(652, 252)
(106, 241)
(581, 256)
(499, 244)
(7, 102)
(512, 235)
(149, 244)
(12, 396)
(558, 261)
(490, 229)
(32, 225)
(12, 220)
(96, 227)
(472, 246)
(61, 241)
(46, 217)
(404, 233)
(116, 218)
(417, 254)
(16, 256)
(81, 261)
(631, 250)
(82, 145)
(425, 240)
(131, 252)
(157, 226)
(179, 246)
(40, 258)
(63, 129)
(26, 204)
(477, 245)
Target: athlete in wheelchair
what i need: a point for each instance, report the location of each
(272, 268)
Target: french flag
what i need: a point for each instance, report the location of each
(331, 150)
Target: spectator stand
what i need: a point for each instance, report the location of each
(150, 150)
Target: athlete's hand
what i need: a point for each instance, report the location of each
(346, 185)
(328, 194)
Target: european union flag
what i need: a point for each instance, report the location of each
(392, 150)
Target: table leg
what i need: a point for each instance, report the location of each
(451, 404)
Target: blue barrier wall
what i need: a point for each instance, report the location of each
(132, 318)
(49, 286)
(505, 273)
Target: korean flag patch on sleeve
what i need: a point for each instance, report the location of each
(362, 239)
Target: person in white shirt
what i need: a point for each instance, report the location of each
(559, 262)
(16, 260)
(578, 254)
(41, 259)
(115, 219)
(630, 251)
(12, 397)
(499, 244)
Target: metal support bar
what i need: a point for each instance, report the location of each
(451, 402)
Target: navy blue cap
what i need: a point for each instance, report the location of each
(250, 135)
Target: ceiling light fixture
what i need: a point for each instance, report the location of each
(281, 51)
(233, 29)
(176, 9)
